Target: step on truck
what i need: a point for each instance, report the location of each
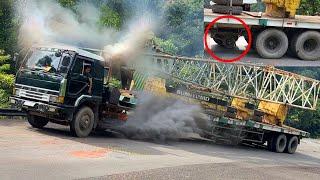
(70, 86)
(272, 37)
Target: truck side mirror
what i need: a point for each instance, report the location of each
(15, 60)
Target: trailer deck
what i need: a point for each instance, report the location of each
(259, 125)
(260, 19)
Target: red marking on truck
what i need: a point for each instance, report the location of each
(90, 154)
(212, 54)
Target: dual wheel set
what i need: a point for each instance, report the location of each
(274, 43)
(283, 143)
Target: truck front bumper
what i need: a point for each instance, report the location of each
(41, 109)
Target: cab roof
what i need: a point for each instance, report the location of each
(80, 51)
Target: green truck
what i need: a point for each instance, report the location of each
(70, 86)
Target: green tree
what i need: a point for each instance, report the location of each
(110, 18)
(6, 79)
(183, 26)
(8, 26)
(305, 120)
(309, 7)
(68, 3)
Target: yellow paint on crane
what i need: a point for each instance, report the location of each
(243, 113)
(275, 113)
(155, 85)
(282, 8)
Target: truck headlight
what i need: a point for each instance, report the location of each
(53, 99)
(16, 92)
(56, 99)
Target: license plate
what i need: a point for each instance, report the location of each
(29, 103)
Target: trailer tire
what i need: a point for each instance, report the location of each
(279, 143)
(292, 145)
(82, 123)
(236, 10)
(36, 121)
(306, 46)
(227, 2)
(271, 43)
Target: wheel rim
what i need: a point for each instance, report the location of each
(272, 43)
(84, 122)
(310, 45)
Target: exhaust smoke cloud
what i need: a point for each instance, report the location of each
(163, 118)
(48, 22)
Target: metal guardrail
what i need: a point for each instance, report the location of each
(11, 112)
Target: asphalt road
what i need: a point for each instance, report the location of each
(253, 57)
(51, 153)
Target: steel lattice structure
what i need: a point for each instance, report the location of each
(238, 80)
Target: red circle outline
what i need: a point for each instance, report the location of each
(242, 55)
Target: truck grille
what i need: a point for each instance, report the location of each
(34, 93)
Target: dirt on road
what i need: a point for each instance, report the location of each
(51, 153)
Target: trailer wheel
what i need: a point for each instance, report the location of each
(237, 10)
(36, 121)
(227, 2)
(82, 123)
(307, 46)
(271, 43)
(292, 145)
(279, 143)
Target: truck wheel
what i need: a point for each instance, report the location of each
(307, 46)
(218, 41)
(227, 2)
(226, 9)
(271, 43)
(292, 145)
(279, 143)
(36, 121)
(82, 123)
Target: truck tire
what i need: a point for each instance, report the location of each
(306, 46)
(227, 2)
(292, 145)
(271, 43)
(279, 143)
(221, 9)
(82, 123)
(218, 41)
(36, 121)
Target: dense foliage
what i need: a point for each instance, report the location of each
(5, 79)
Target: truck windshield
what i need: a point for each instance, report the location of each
(47, 60)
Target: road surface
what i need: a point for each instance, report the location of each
(51, 153)
(253, 57)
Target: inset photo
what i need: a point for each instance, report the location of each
(267, 32)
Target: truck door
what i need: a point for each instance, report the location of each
(78, 83)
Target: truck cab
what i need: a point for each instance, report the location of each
(69, 86)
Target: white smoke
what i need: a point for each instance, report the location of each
(164, 118)
(47, 21)
(133, 41)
